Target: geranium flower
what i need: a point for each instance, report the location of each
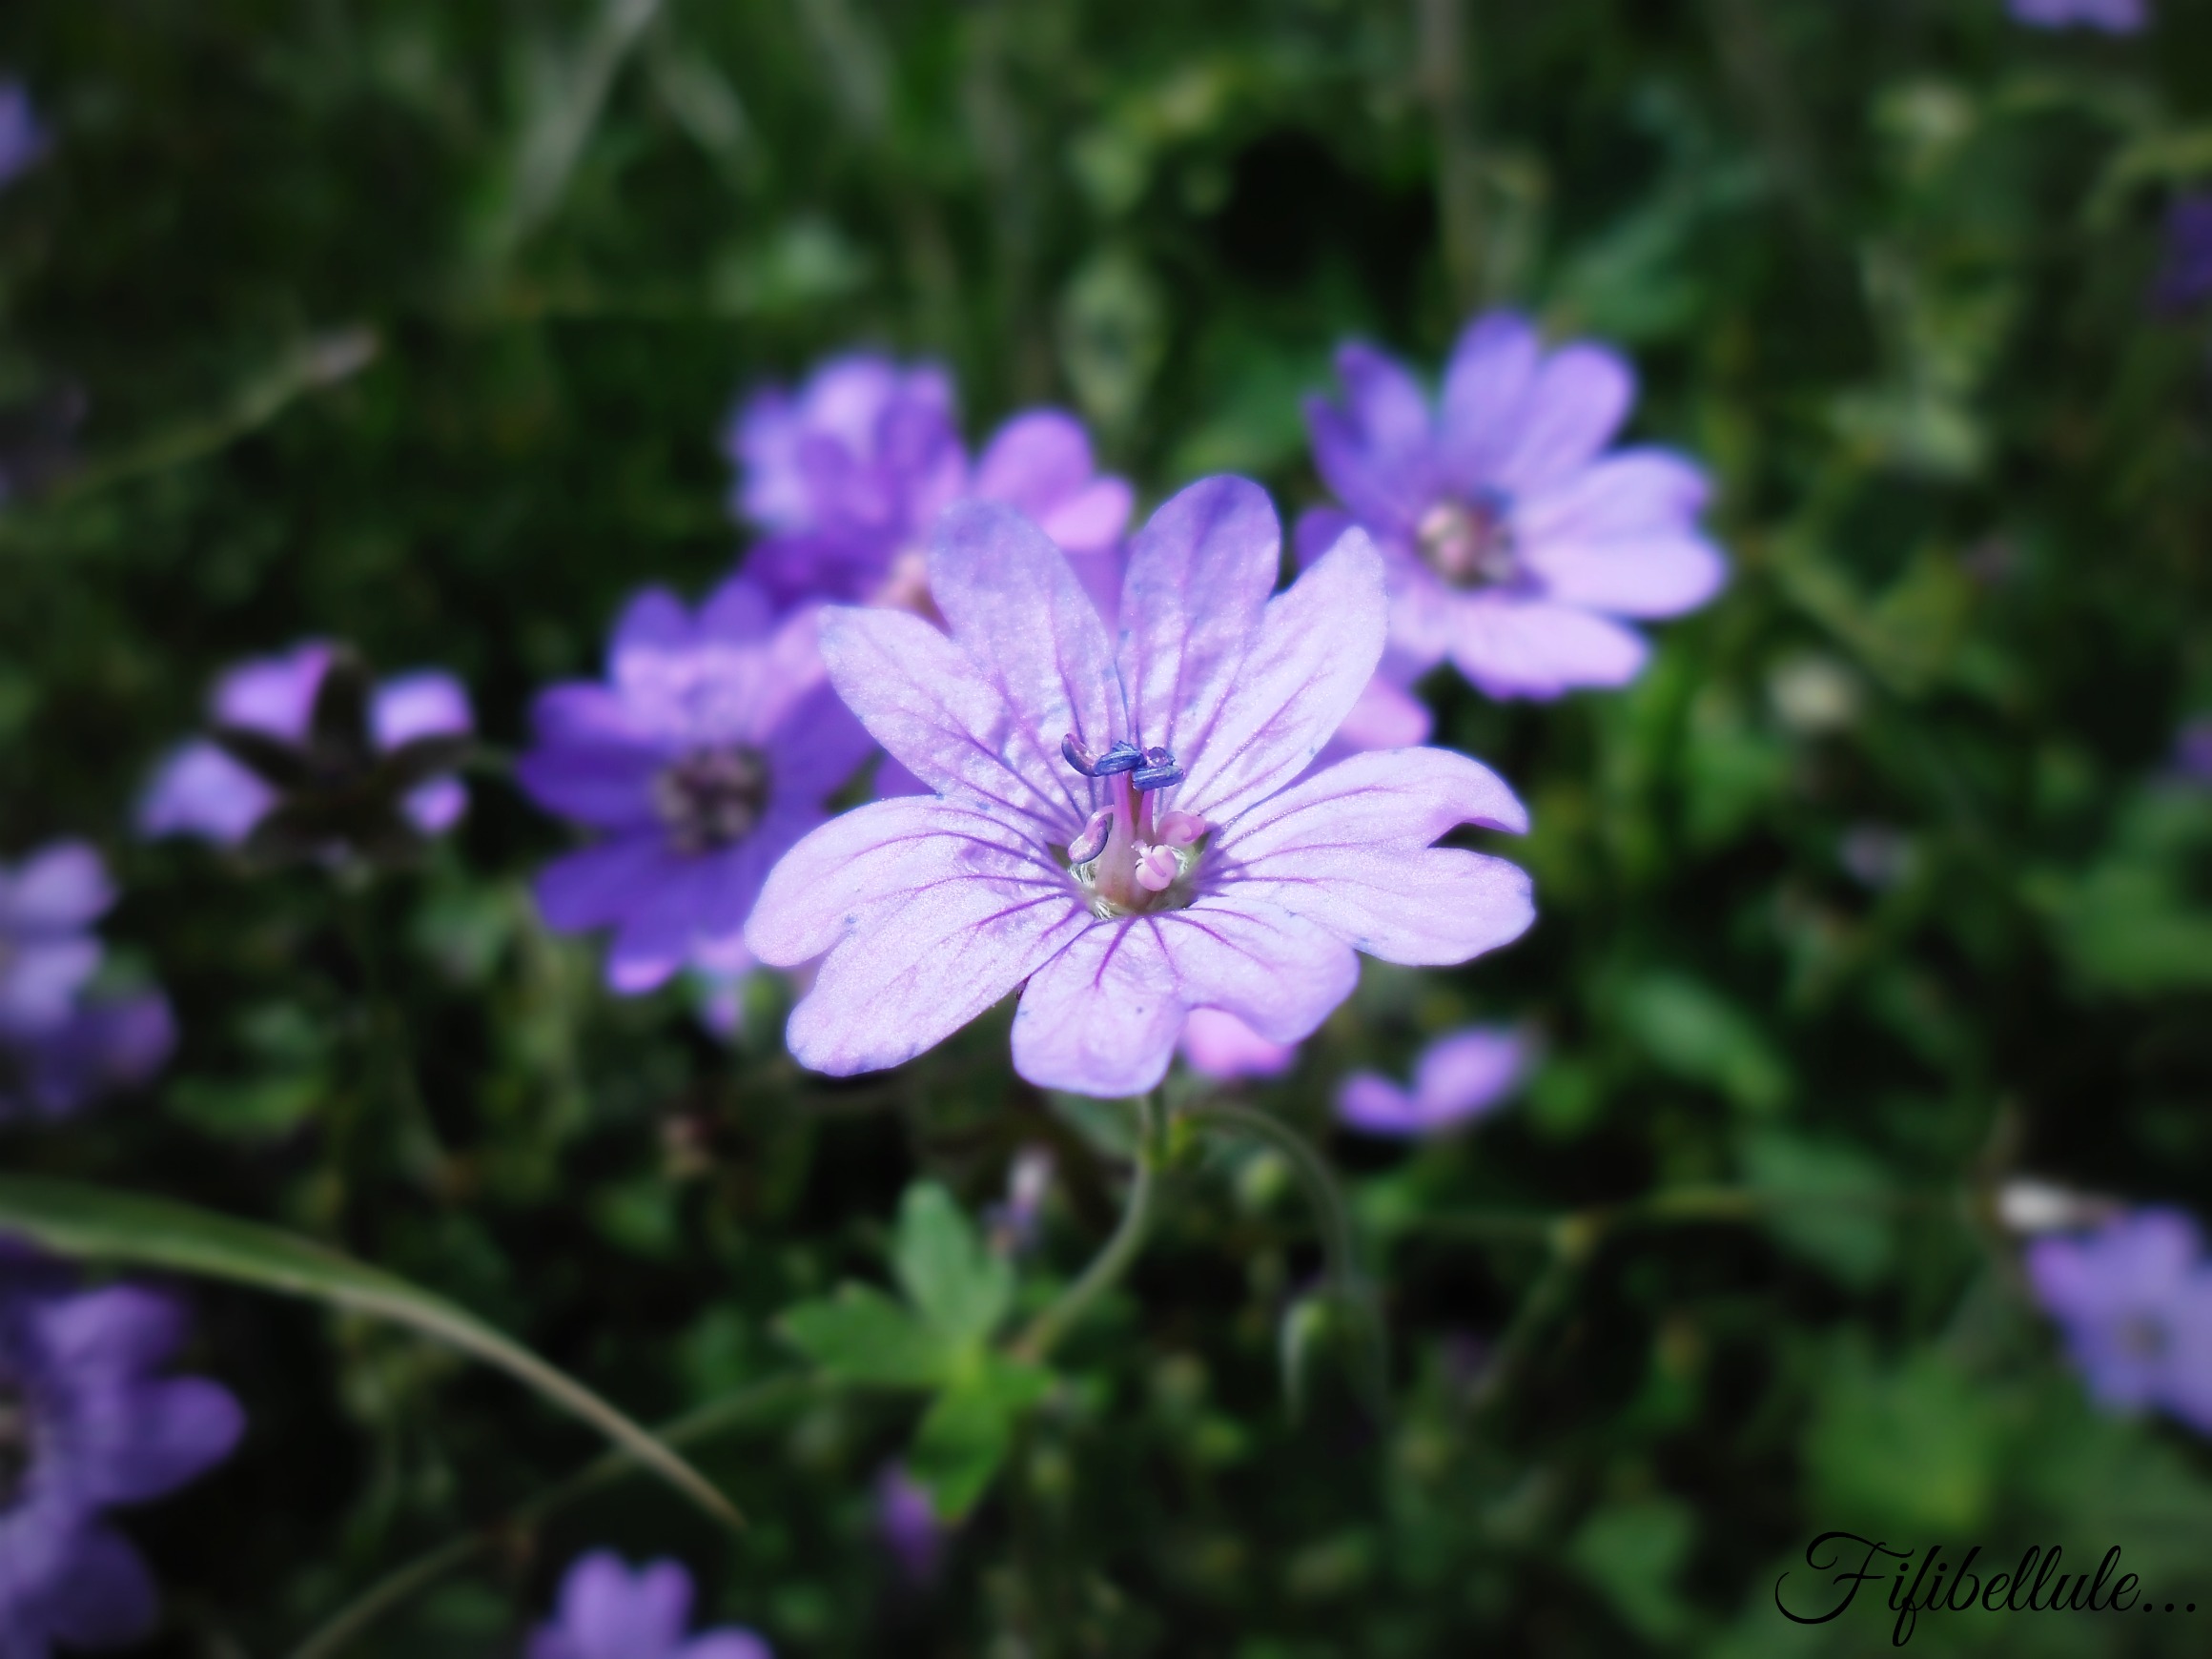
(607, 1612)
(2185, 279)
(1124, 833)
(1458, 1077)
(21, 139)
(2113, 16)
(708, 753)
(2135, 1302)
(87, 1424)
(310, 754)
(1514, 544)
(848, 473)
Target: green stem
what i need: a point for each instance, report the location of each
(1110, 1263)
(391, 1058)
(1332, 1215)
(404, 1583)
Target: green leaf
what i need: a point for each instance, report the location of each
(1696, 1033)
(964, 1437)
(1916, 1449)
(952, 1280)
(1828, 1204)
(1633, 1552)
(862, 1336)
(98, 1224)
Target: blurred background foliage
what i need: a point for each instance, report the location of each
(415, 322)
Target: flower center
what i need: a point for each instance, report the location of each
(1127, 859)
(15, 1443)
(712, 798)
(1469, 544)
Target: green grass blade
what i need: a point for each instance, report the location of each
(100, 1224)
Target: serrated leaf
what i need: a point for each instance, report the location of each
(95, 1223)
(862, 1336)
(957, 1285)
(964, 1437)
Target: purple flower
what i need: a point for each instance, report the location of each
(848, 473)
(2135, 1302)
(2185, 279)
(708, 753)
(85, 1424)
(1513, 542)
(2113, 16)
(21, 139)
(1222, 1047)
(906, 1520)
(1458, 1077)
(58, 1047)
(2192, 750)
(609, 1612)
(201, 790)
(1028, 1177)
(1126, 830)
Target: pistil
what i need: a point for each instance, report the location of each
(1126, 860)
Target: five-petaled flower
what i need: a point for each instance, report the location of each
(1125, 832)
(607, 1612)
(310, 756)
(86, 1423)
(1514, 544)
(2134, 1301)
(848, 474)
(1459, 1077)
(708, 753)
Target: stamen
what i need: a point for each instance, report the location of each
(1160, 771)
(1122, 757)
(1092, 842)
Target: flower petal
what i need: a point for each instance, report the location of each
(1468, 1071)
(1101, 1017)
(608, 784)
(1392, 797)
(1220, 1046)
(1277, 972)
(104, 1599)
(1200, 575)
(427, 703)
(274, 694)
(1512, 647)
(1037, 460)
(1317, 648)
(1369, 1101)
(139, 1442)
(596, 886)
(199, 790)
(1486, 385)
(1580, 397)
(1093, 519)
(921, 697)
(60, 889)
(1427, 907)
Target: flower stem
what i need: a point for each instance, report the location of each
(1110, 1263)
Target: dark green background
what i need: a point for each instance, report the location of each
(1882, 266)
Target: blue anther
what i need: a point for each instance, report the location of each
(1078, 757)
(1122, 757)
(1160, 771)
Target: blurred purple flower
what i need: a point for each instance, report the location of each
(1063, 847)
(2185, 279)
(1028, 1177)
(848, 473)
(1513, 542)
(2193, 749)
(1458, 1077)
(21, 139)
(2135, 1302)
(200, 789)
(86, 1423)
(1222, 1047)
(58, 1049)
(708, 753)
(607, 1612)
(2113, 16)
(906, 1520)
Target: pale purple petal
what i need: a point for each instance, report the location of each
(1316, 650)
(1035, 461)
(726, 1644)
(1385, 717)
(436, 806)
(1622, 537)
(1485, 387)
(1200, 572)
(148, 1440)
(1371, 1101)
(1581, 396)
(274, 694)
(1513, 647)
(920, 696)
(199, 790)
(1222, 1047)
(1376, 450)
(599, 885)
(694, 912)
(40, 978)
(607, 1612)
(606, 785)
(1101, 574)
(925, 969)
(60, 889)
(653, 623)
(1277, 972)
(817, 746)
(1388, 798)
(105, 1599)
(737, 613)
(1658, 576)
(1102, 1016)
(1468, 1072)
(428, 704)
(1317, 530)
(1032, 635)
(1091, 520)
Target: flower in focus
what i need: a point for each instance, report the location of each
(1125, 835)
(706, 754)
(310, 755)
(2134, 1299)
(906, 1520)
(2185, 279)
(606, 1611)
(1222, 1047)
(848, 473)
(59, 1046)
(85, 1424)
(2113, 16)
(1458, 1077)
(22, 140)
(1514, 544)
